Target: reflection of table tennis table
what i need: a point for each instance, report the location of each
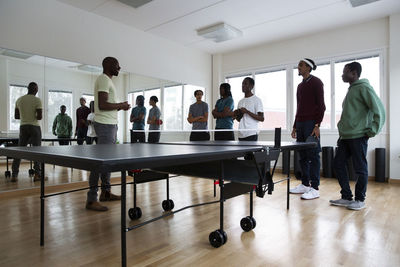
(11, 139)
(222, 161)
(7, 139)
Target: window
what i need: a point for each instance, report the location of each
(236, 90)
(323, 72)
(370, 70)
(88, 98)
(55, 100)
(236, 87)
(172, 108)
(271, 88)
(16, 91)
(189, 99)
(147, 94)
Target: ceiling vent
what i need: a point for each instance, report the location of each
(219, 32)
(89, 68)
(356, 3)
(16, 54)
(135, 3)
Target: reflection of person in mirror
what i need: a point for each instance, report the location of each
(91, 133)
(309, 114)
(223, 112)
(62, 126)
(138, 114)
(154, 120)
(28, 109)
(198, 117)
(81, 124)
(105, 124)
(249, 113)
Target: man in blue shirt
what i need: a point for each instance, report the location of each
(223, 112)
(137, 117)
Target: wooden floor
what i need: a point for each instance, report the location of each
(311, 233)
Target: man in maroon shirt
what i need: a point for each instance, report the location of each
(81, 123)
(309, 114)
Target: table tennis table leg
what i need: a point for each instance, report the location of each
(123, 218)
(219, 237)
(42, 205)
(251, 203)
(215, 189)
(288, 187)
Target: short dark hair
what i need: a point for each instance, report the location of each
(140, 100)
(154, 98)
(227, 88)
(197, 91)
(250, 80)
(107, 61)
(63, 106)
(354, 66)
(32, 86)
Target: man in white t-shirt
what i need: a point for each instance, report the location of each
(105, 126)
(250, 111)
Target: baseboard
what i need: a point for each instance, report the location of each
(394, 181)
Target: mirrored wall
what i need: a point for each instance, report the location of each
(60, 82)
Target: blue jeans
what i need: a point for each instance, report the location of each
(357, 149)
(309, 158)
(106, 134)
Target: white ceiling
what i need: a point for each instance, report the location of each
(261, 21)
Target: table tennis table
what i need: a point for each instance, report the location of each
(223, 160)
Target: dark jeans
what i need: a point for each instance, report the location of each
(199, 136)
(250, 138)
(154, 137)
(309, 158)
(63, 142)
(28, 134)
(138, 137)
(81, 134)
(106, 134)
(224, 135)
(357, 149)
(91, 140)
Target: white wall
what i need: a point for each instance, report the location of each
(54, 29)
(394, 96)
(369, 36)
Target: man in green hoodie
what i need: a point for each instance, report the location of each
(362, 117)
(62, 126)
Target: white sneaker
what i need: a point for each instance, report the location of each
(300, 189)
(311, 194)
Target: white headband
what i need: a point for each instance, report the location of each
(308, 63)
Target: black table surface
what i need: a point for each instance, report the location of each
(121, 157)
